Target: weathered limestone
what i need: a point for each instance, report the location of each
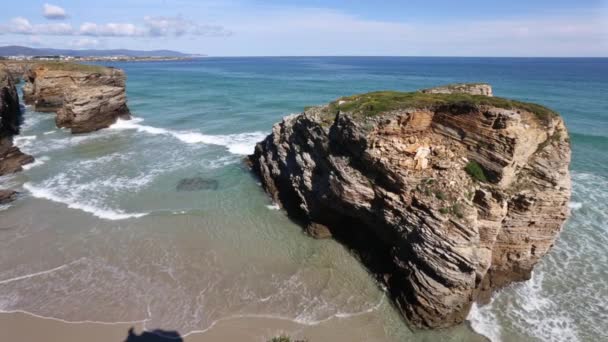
(464, 88)
(91, 108)
(86, 98)
(11, 158)
(17, 69)
(392, 186)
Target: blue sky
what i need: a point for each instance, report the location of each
(331, 27)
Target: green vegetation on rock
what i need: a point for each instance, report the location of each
(476, 171)
(371, 104)
(74, 67)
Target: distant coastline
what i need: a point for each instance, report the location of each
(22, 53)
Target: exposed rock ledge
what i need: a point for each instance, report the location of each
(445, 196)
(11, 158)
(86, 98)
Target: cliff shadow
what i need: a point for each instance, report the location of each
(157, 335)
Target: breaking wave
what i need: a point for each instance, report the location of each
(73, 203)
(240, 144)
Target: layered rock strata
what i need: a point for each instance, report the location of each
(445, 196)
(86, 98)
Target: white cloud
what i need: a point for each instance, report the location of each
(84, 43)
(178, 26)
(153, 27)
(54, 12)
(21, 25)
(111, 30)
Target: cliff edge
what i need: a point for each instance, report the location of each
(11, 158)
(86, 98)
(445, 194)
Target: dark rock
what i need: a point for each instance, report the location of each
(318, 231)
(7, 196)
(11, 158)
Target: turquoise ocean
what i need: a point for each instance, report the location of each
(100, 232)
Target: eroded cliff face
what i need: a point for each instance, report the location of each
(17, 69)
(11, 158)
(85, 98)
(445, 196)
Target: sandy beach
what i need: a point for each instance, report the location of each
(22, 327)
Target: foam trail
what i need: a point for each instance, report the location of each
(24, 140)
(240, 144)
(6, 281)
(99, 212)
(484, 322)
(37, 162)
(575, 205)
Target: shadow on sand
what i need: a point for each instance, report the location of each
(154, 336)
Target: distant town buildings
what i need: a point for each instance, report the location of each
(89, 58)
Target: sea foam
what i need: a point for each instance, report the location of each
(37, 162)
(103, 213)
(240, 144)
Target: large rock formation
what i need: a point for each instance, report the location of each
(86, 97)
(11, 158)
(91, 108)
(445, 196)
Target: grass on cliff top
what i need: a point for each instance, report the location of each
(371, 104)
(68, 66)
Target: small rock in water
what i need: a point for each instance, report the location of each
(197, 183)
(7, 196)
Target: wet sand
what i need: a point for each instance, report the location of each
(22, 327)
(185, 273)
(17, 327)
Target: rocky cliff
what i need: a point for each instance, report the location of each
(86, 98)
(11, 158)
(444, 194)
(17, 69)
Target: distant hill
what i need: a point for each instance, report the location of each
(14, 50)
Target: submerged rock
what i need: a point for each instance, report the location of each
(86, 98)
(196, 184)
(7, 196)
(445, 196)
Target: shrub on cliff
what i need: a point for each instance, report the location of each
(476, 171)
